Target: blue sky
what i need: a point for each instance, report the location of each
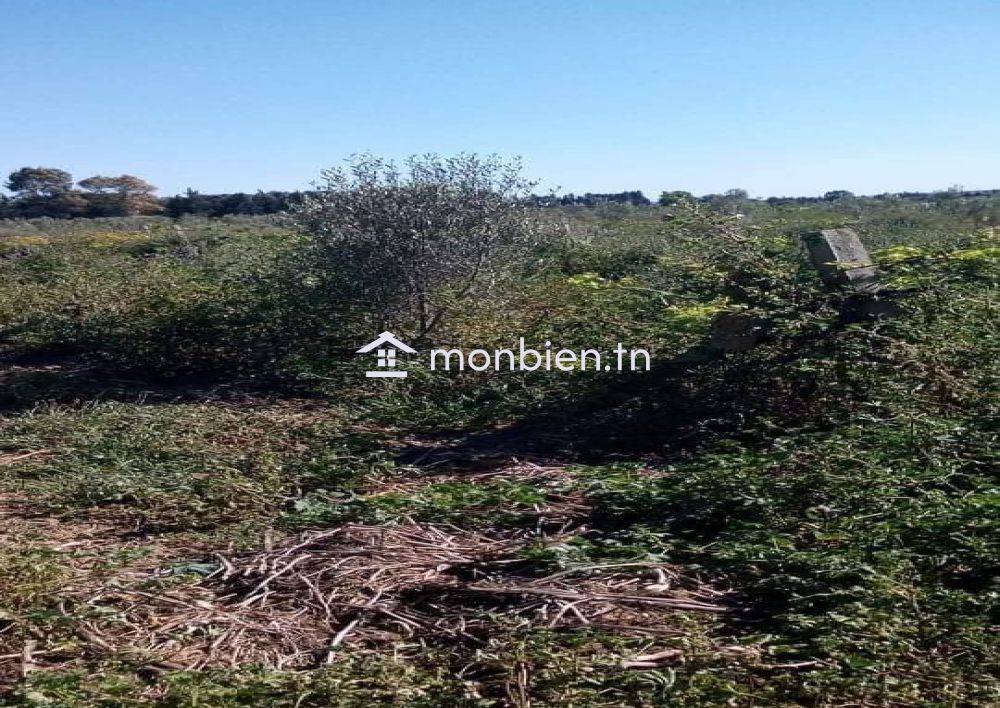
(779, 97)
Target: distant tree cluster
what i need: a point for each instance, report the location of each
(48, 191)
(193, 202)
(51, 192)
(938, 197)
(591, 199)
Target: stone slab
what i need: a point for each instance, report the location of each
(841, 259)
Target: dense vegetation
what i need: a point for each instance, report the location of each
(204, 502)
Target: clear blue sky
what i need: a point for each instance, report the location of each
(774, 96)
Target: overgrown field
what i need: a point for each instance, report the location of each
(204, 502)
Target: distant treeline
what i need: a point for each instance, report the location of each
(51, 192)
(635, 197)
(736, 197)
(192, 202)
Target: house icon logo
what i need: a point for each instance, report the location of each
(387, 344)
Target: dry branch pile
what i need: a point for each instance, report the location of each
(297, 604)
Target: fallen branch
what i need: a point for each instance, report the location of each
(27, 657)
(653, 661)
(23, 456)
(691, 605)
(340, 636)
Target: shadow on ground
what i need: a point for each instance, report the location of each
(28, 379)
(679, 406)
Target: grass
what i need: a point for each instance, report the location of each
(191, 465)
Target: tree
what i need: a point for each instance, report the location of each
(44, 191)
(97, 184)
(61, 205)
(407, 245)
(131, 186)
(731, 201)
(39, 182)
(124, 195)
(838, 194)
(677, 197)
